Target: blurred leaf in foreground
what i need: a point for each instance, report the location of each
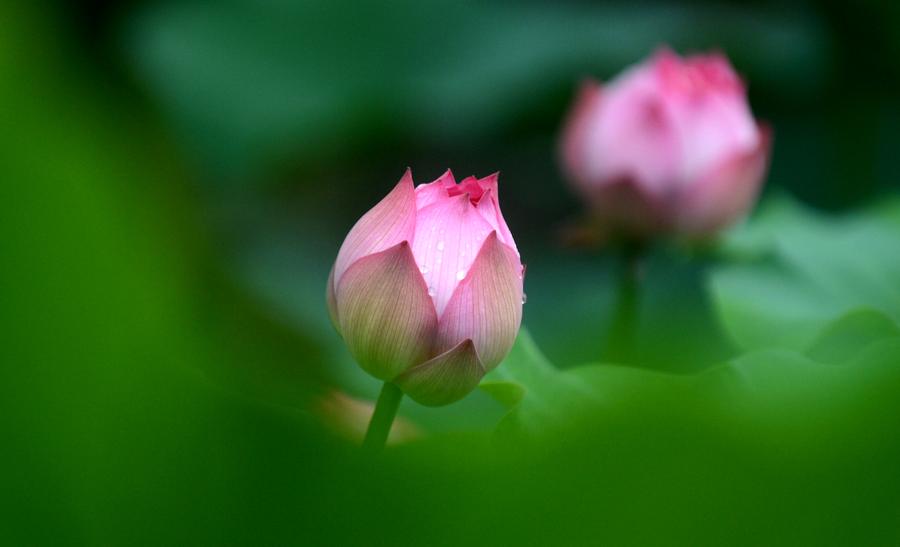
(774, 436)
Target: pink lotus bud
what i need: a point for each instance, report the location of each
(669, 146)
(427, 287)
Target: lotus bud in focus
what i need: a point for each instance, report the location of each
(670, 146)
(427, 287)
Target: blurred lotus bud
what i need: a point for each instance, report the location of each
(427, 287)
(669, 146)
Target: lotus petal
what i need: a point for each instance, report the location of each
(445, 379)
(386, 316)
(486, 306)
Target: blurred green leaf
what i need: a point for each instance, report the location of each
(850, 334)
(765, 388)
(531, 388)
(108, 406)
(541, 397)
(805, 270)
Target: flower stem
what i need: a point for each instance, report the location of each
(382, 418)
(623, 330)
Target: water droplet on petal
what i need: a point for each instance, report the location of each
(440, 246)
(524, 298)
(430, 291)
(460, 275)
(424, 269)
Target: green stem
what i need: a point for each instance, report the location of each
(623, 330)
(383, 417)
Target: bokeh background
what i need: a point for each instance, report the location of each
(177, 178)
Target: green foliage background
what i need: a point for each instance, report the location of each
(177, 176)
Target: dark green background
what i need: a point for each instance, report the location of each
(177, 177)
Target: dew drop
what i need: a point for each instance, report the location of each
(460, 275)
(524, 298)
(430, 291)
(424, 269)
(440, 246)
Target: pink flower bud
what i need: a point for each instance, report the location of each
(669, 146)
(427, 287)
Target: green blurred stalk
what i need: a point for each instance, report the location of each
(382, 418)
(623, 329)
